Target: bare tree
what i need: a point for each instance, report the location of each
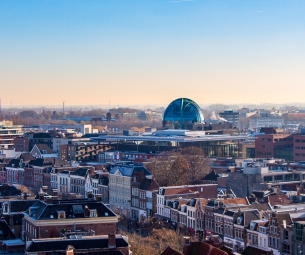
(197, 164)
(180, 167)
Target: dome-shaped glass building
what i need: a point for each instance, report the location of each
(181, 112)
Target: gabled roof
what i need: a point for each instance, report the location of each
(45, 147)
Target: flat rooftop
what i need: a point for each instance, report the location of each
(172, 135)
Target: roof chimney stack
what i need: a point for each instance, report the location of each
(111, 241)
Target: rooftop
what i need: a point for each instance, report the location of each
(68, 209)
(85, 243)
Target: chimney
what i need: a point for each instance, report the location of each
(111, 241)
(90, 195)
(98, 197)
(49, 200)
(70, 250)
(45, 189)
(55, 192)
(86, 211)
(186, 240)
(41, 196)
(25, 196)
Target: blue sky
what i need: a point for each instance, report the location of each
(150, 52)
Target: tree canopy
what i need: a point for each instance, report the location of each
(183, 166)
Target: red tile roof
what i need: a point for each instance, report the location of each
(279, 199)
(202, 248)
(237, 201)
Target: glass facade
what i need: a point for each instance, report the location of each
(182, 111)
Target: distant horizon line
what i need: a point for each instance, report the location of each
(141, 106)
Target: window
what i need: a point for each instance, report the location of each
(61, 214)
(260, 241)
(298, 231)
(286, 248)
(93, 213)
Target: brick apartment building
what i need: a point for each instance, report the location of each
(290, 147)
(22, 144)
(52, 218)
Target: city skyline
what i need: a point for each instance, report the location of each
(151, 52)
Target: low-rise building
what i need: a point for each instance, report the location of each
(51, 218)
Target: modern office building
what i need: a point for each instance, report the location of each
(230, 116)
(170, 139)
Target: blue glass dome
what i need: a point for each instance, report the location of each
(183, 110)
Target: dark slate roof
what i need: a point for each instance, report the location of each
(17, 218)
(42, 210)
(212, 176)
(192, 202)
(97, 242)
(104, 180)
(149, 184)
(21, 205)
(255, 251)
(7, 190)
(6, 231)
(129, 170)
(37, 162)
(229, 213)
(96, 176)
(80, 172)
(14, 163)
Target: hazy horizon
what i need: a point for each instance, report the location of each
(151, 52)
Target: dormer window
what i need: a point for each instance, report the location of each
(239, 220)
(61, 214)
(93, 213)
(252, 226)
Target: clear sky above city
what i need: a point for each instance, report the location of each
(151, 51)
